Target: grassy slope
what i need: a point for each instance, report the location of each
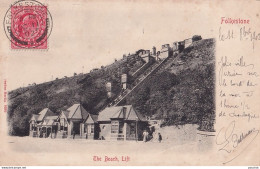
(178, 93)
(183, 91)
(87, 89)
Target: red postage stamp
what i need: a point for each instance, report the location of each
(28, 25)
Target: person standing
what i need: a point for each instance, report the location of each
(73, 132)
(159, 137)
(145, 136)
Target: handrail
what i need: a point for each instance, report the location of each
(142, 79)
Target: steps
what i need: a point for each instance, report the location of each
(117, 137)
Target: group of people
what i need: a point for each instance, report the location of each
(146, 136)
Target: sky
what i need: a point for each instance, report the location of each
(87, 35)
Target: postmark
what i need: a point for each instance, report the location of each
(28, 24)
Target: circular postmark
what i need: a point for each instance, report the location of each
(28, 24)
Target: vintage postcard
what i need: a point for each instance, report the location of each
(129, 83)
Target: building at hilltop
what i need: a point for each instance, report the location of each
(154, 51)
(165, 51)
(145, 55)
(187, 42)
(181, 46)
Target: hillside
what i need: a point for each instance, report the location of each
(87, 89)
(182, 91)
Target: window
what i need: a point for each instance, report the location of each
(85, 128)
(58, 126)
(114, 126)
(92, 128)
(62, 122)
(132, 128)
(117, 127)
(121, 127)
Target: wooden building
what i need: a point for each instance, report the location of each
(70, 121)
(121, 123)
(48, 128)
(90, 127)
(43, 124)
(113, 123)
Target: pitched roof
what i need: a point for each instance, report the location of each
(120, 112)
(107, 113)
(34, 117)
(49, 120)
(64, 113)
(45, 112)
(92, 118)
(76, 111)
(133, 115)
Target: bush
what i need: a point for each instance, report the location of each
(196, 38)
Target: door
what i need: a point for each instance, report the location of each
(76, 127)
(48, 132)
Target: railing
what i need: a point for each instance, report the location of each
(140, 68)
(137, 82)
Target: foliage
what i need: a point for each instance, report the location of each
(87, 89)
(186, 96)
(178, 94)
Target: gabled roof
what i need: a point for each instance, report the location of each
(107, 113)
(92, 118)
(49, 120)
(133, 115)
(76, 111)
(120, 112)
(39, 117)
(64, 113)
(34, 117)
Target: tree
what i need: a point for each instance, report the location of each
(196, 38)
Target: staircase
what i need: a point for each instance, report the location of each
(139, 80)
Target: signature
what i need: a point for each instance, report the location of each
(229, 141)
